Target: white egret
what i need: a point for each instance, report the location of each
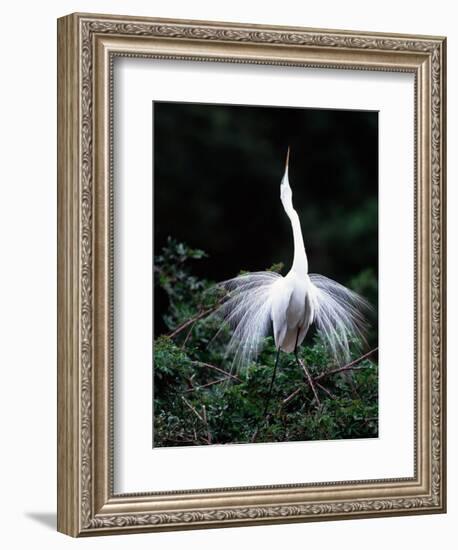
(260, 302)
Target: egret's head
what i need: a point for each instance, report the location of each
(286, 194)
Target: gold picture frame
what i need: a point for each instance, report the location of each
(87, 44)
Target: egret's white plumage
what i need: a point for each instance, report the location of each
(259, 302)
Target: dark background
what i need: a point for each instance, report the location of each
(217, 173)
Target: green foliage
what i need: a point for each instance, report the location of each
(196, 403)
(186, 293)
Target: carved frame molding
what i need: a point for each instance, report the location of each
(87, 45)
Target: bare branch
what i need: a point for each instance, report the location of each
(326, 391)
(186, 338)
(291, 396)
(218, 369)
(195, 388)
(349, 366)
(309, 379)
(192, 408)
(204, 414)
(202, 313)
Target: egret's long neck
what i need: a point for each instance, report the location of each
(300, 263)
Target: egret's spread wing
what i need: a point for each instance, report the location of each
(339, 316)
(247, 311)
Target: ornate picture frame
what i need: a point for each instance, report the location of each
(87, 45)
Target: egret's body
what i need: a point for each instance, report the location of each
(262, 301)
(292, 311)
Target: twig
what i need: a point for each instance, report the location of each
(349, 366)
(202, 313)
(297, 391)
(192, 320)
(186, 338)
(326, 391)
(190, 384)
(291, 396)
(310, 380)
(209, 435)
(202, 417)
(192, 408)
(255, 435)
(195, 388)
(218, 369)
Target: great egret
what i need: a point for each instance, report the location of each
(259, 302)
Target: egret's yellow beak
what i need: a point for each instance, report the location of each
(287, 159)
(285, 180)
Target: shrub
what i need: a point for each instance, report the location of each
(198, 401)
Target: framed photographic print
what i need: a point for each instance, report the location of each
(251, 285)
